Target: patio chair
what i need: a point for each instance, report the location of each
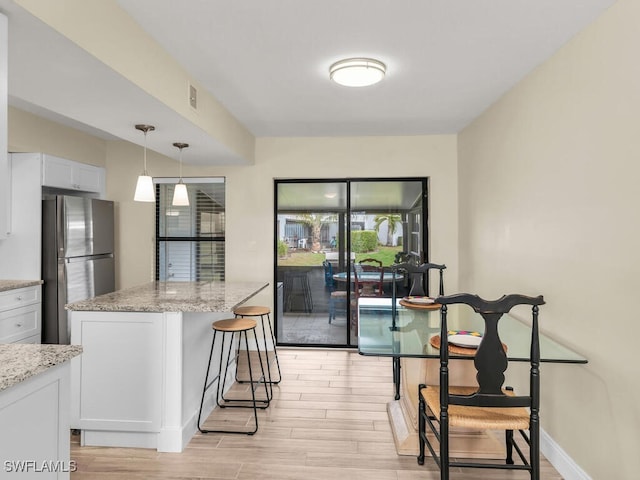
(336, 297)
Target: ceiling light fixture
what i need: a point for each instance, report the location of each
(144, 188)
(357, 72)
(180, 195)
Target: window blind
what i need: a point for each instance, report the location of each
(190, 240)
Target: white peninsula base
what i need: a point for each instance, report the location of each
(139, 382)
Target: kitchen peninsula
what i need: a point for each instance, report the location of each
(145, 351)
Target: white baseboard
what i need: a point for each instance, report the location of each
(562, 462)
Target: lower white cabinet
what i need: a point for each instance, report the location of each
(21, 315)
(34, 439)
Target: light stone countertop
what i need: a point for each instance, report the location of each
(20, 361)
(173, 297)
(13, 284)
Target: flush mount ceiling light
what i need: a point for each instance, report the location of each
(144, 188)
(357, 72)
(180, 195)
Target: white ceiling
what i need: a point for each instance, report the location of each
(267, 61)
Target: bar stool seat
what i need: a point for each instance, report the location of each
(262, 312)
(230, 328)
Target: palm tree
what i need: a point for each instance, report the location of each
(393, 220)
(315, 222)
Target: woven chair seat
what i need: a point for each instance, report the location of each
(486, 418)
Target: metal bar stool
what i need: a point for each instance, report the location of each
(296, 284)
(235, 326)
(255, 311)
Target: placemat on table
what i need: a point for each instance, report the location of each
(436, 342)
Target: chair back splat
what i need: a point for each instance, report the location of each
(417, 277)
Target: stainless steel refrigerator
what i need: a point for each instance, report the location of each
(77, 258)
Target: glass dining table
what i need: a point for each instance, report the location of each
(410, 332)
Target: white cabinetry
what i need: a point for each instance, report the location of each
(20, 315)
(34, 415)
(5, 194)
(70, 175)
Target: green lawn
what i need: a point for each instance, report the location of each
(305, 259)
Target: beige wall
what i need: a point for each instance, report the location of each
(249, 214)
(549, 205)
(30, 133)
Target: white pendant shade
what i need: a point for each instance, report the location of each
(144, 189)
(357, 72)
(180, 196)
(145, 192)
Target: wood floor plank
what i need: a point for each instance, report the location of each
(327, 420)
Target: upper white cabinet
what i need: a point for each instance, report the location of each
(70, 175)
(5, 194)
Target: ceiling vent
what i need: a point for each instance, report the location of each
(193, 97)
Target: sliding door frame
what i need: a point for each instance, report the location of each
(345, 228)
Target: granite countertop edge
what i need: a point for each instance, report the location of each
(16, 284)
(21, 361)
(160, 297)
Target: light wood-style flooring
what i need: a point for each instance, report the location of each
(327, 421)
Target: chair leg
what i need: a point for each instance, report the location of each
(534, 449)
(444, 446)
(508, 434)
(421, 426)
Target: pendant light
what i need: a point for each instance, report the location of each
(180, 196)
(144, 188)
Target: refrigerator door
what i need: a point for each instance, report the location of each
(79, 279)
(85, 226)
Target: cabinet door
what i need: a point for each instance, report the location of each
(4, 164)
(19, 323)
(57, 172)
(5, 196)
(87, 178)
(70, 175)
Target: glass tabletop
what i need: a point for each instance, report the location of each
(414, 329)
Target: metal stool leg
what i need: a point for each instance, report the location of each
(232, 402)
(206, 379)
(275, 350)
(252, 403)
(266, 355)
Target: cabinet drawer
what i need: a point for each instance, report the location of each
(19, 323)
(19, 297)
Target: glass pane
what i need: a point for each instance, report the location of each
(204, 217)
(184, 261)
(310, 231)
(190, 238)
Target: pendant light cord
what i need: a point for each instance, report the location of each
(145, 153)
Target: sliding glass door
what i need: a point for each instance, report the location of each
(325, 227)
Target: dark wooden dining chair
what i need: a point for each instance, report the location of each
(417, 277)
(489, 405)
